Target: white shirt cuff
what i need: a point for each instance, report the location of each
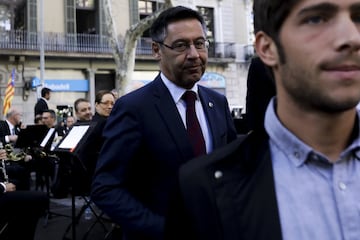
(4, 186)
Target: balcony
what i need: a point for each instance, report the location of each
(93, 44)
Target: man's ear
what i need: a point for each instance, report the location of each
(156, 50)
(266, 49)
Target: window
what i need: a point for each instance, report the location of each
(208, 15)
(85, 4)
(5, 16)
(70, 16)
(146, 8)
(32, 15)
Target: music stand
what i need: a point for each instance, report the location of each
(69, 146)
(31, 136)
(47, 145)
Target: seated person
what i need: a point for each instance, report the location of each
(19, 210)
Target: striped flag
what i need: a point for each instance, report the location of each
(9, 92)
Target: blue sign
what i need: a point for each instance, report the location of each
(57, 85)
(212, 80)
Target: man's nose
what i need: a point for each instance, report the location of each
(348, 35)
(192, 51)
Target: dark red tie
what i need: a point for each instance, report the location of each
(193, 127)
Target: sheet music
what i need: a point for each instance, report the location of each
(47, 137)
(73, 137)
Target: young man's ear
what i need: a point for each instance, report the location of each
(156, 51)
(266, 49)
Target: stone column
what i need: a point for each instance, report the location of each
(91, 93)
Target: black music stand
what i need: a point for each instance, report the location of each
(47, 145)
(31, 136)
(68, 146)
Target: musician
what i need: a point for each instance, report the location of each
(19, 210)
(45, 166)
(10, 127)
(19, 172)
(70, 120)
(49, 119)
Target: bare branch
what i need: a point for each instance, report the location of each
(124, 56)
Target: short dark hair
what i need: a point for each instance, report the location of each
(52, 113)
(269, 17)
(45, 91)
(79, 100)
(99, 95)
(37, 118)
(158, 30)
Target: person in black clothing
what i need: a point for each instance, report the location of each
(10, 127)
(49, 119)
(45, 166)
(260, 89)
(19, 210)
(89, 151)
(42, 104)
(69, 122)
(19, 171)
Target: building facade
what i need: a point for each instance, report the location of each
(63, 45)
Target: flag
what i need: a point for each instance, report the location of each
(9, 92)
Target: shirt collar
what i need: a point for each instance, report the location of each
(176, 91)
(298, 151)
(45, 99)
(288, 143)
(11, 126)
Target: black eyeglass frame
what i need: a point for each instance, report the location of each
(107, 103)
(187, 46)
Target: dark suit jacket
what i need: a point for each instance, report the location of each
(4, 131)
(145, 143)
(17, 171)
(227, 195)
(260, 89)
(21, 210)
(40, 106)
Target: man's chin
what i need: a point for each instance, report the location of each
(195, 76)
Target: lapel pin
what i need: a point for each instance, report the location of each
(211, 104)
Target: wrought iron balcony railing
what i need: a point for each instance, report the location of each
(97, 44)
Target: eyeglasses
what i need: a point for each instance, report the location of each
(181, 46)
(107, 103)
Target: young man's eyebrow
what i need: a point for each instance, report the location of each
(321, 7)
(355, 7)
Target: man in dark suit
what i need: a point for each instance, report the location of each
(19, 171)
(42, 103)
(20, 210)
(297, 177)
(10, 127)
(146, 137)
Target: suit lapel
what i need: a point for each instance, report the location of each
(210, 108)
(171, 117)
